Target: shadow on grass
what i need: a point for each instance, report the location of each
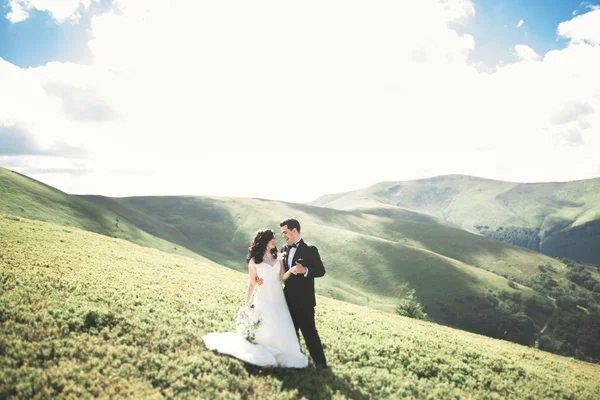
(311, 383)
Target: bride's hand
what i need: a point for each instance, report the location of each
(294, 270)
(300, 269)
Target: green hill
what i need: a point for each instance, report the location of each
(26, 197)
(372, 256)
(367, 256)
(86, 315)
(559, 219)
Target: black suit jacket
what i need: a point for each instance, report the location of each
(300, 290)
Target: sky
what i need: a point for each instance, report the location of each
(290, 101)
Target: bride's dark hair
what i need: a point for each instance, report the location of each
(258, 246)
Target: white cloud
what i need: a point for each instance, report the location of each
(572, 111)
(194, 98)
(520, 23)
(526, 53)
(458, 10)
(60, 10)
(81, 104)
(17, 13)
(583, 28)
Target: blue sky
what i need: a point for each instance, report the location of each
(39, 39)
(495, 26)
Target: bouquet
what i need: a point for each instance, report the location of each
(247, 323)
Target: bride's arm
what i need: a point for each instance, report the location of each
(284, 275)
(251, 282)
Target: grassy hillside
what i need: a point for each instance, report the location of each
(367, 256)
(371, 255)
(556, 210)
(26, 197)
(85, 315)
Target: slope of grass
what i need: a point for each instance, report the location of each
(22, 196)
(203, 225)
(84, 315)
(367, 256)
(578, 243)
(553, 208)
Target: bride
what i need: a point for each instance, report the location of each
(276, 341)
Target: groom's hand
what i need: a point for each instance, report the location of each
(259, 281)
(300, 269)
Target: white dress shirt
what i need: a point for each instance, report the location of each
(291, 253)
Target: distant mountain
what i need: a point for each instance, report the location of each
(558, 219)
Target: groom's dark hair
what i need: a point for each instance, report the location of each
(291, 223)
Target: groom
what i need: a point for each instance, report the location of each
(306, 265)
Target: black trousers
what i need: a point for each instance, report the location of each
(304, 320)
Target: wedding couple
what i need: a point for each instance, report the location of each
(282, 311)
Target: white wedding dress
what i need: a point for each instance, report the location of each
(276, 341)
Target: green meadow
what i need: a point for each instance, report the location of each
(374, 257)
(86, 315)
(26, 197)
(368, 257)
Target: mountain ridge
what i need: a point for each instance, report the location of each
(486, 206)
